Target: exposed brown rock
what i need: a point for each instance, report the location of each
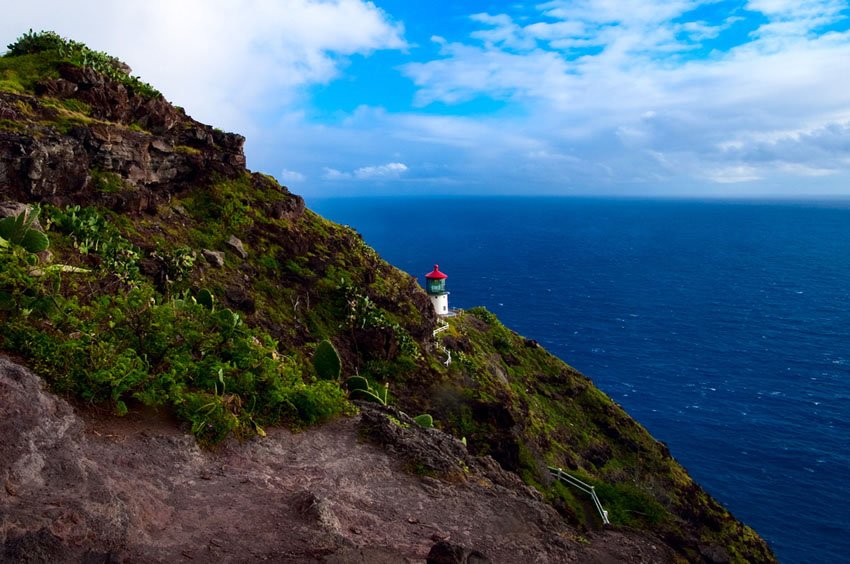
(236, 244)
(445, 552)
(136, 489)
(152, 145)
(214, 258)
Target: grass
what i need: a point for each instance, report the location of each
(12, 126)
(107, 181)
(21, 74)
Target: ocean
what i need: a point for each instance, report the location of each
(722, 327)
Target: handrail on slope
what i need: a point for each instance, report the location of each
(583, 486)
(444, 325)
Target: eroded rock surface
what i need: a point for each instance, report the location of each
(136, 489)
(154, 147)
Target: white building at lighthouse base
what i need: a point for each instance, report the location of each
(440, 303)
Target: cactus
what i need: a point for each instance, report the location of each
(357, 383)
(360, 388)
(18, 231)
(206, 299)
(229, 318)
(326, 361)
(424, 420)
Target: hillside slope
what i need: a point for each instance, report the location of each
(177, 280)
(138, 490)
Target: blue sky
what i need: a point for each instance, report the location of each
(740, 98)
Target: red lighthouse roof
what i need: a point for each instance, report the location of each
(436, 274)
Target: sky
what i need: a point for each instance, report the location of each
(682, 98)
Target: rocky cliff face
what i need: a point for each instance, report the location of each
(182, 285)
(54, 151)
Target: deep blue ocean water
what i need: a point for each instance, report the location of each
(723, 327)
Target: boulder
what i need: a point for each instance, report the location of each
(236, 244)
(214, 258)
(444, 552)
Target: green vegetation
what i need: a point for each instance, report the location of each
(360, 388)
(110, 337)
(630, 505)
(49, 48)
(21, 73)
(106, 181)
(326, 361)
(224, 205)
(91, 233)
(424, 420)
(19, 231)
(186, 150)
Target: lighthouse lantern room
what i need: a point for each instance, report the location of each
(436, 288)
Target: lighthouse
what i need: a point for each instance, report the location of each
(435, 285)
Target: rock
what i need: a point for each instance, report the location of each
(432, 450)
(319, 509)
(45, 158)
(236, 244)
(134, 489)
(714, 553)
(38, 546)
(292, 208)
(215, 258)
(444, 552)
(240, 299)
(43, 466)
(57, 88)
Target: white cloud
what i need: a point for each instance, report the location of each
(288, 176)
(379, 172)
(469, 71)
(334, 174)
(221, 59)
(733, 174)
(613, 85)
(389, 170)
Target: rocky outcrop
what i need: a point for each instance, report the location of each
(91, 124)
(136, 489)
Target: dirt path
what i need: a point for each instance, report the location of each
(135, 489)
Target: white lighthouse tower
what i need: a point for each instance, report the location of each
(436, 288)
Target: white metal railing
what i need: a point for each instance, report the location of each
(444, 325)
(583, 486)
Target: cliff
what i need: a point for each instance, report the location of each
(182, 293)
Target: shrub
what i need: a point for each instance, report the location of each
(92, 233)
(629, 505)
(137, 344)
(81, 55)
(32, 42)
